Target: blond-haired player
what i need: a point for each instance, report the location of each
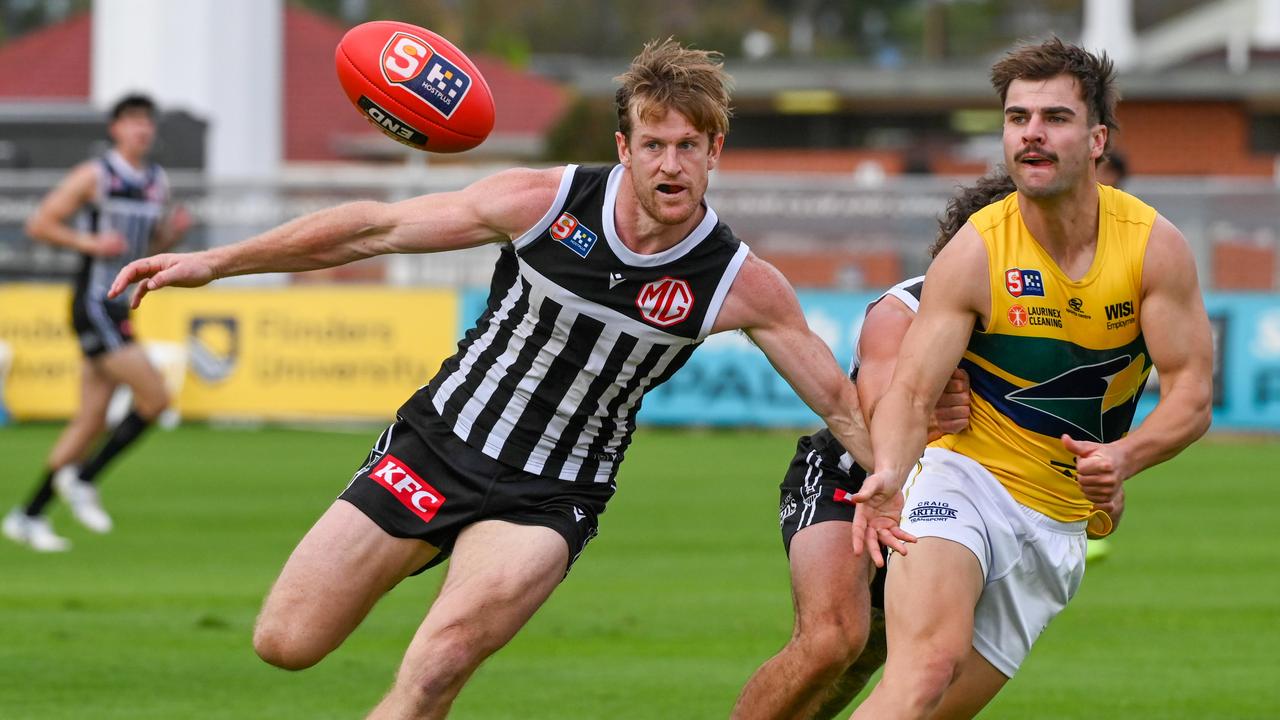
(607, 279)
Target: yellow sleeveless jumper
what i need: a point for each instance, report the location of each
(1059, 356)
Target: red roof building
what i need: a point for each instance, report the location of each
(53, 64)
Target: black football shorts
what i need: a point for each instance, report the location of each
(100, 327)
(817, 488)
(429, 484)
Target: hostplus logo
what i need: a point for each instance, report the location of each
(1023, 282)
(408, 61)
(573, 235)
(931, 511)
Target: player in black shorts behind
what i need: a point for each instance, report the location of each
(838, 640)
(112, 210)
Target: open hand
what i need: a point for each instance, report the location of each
(876, 518)
(157, 271)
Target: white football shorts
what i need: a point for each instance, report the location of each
(1031, 563)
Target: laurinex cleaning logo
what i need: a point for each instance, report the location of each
(412, 491)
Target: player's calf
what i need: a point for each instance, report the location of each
(435, 670)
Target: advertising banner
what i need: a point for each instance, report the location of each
(44, 373)
(279, 353)
(359, 352)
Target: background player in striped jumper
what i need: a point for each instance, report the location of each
(112, 210)
(838, 641)
(607, 279)
(1081, 289)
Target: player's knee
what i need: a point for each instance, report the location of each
(930, 677)
(150, 404)
(285, 647)
(833, 640)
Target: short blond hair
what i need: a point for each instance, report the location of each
(668, 76)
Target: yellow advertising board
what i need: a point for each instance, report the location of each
(278, 353)
(44, 377)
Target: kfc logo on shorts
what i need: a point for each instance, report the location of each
(410, 62)
(842, 496)
(665, 302)
(412, 491)
(1018, 316)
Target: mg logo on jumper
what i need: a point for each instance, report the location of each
(665, 302)
(412, 491)
(410, 62)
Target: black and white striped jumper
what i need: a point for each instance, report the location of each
(576, 330)
(129, 202)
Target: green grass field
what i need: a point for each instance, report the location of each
(665, 616)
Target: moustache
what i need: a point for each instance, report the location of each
(1052, 157)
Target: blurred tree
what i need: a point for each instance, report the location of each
(584, 134)
(20, 16)
(882, 32)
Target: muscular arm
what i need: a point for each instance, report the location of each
(879, 341)
(955, 295)
(1176, 329)
(762, 303)
(48, 223)
(499, 207)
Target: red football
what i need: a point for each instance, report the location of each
(415, 86)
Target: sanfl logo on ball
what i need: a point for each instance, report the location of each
(411, 63)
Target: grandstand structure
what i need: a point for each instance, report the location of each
(834, 172)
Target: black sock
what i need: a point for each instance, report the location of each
(43, 495)
(121, 437)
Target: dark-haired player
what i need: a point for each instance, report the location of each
(836, 645)
(1058, 301)
(838, 638)
(112, 210)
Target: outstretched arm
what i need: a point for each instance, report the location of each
(1176, 329)
(499, 207)
(762, 303)
(955, 296)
